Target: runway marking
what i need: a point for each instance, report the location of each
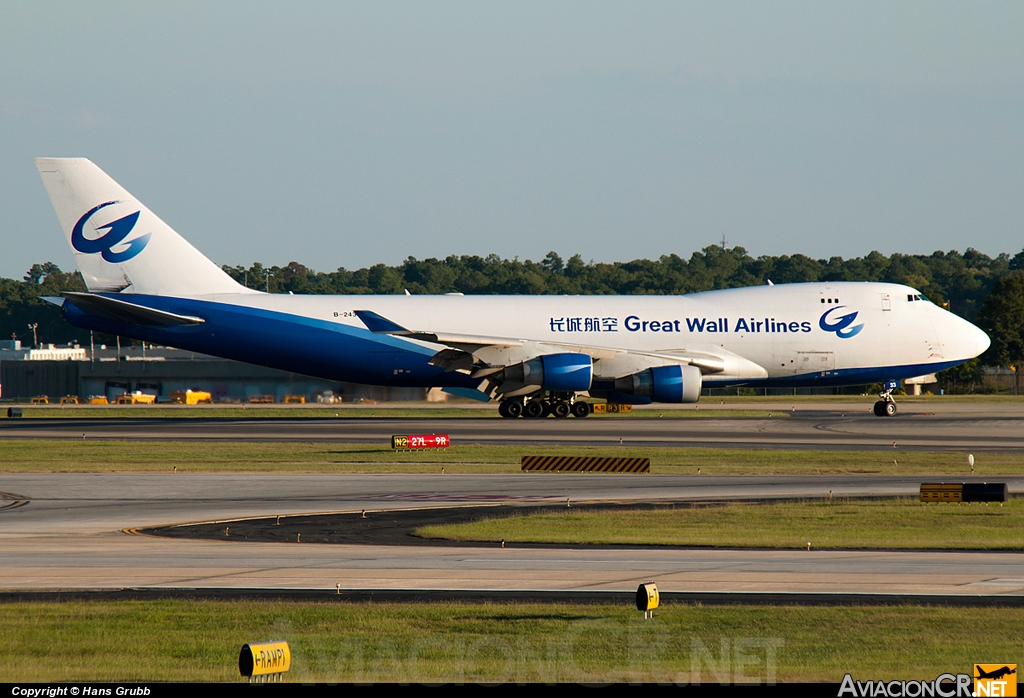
(13, 500)
(464, 497)
(998, 582)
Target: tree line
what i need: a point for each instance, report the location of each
(983, 289)
(959, 281)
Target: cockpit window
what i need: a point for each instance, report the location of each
(911, 297)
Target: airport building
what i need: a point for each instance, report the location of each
(61, 371)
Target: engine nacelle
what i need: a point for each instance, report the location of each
(567, 373)
(663, 384)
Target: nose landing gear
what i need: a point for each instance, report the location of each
(886, 406)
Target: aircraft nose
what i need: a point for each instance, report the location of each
(972, 340)
(983, 340)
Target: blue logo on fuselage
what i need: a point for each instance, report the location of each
(841, 326)
(117, 231)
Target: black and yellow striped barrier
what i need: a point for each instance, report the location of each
(964, 492)
(264, 661)
(582, 464)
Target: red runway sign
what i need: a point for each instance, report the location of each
(417, 441)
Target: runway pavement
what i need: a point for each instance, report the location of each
(972, 427)
(64, 531)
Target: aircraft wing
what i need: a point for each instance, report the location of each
(381, 325)
(481, 356)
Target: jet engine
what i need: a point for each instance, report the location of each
(555, 372)
(676, 383)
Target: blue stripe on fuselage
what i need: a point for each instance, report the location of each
(284, 341)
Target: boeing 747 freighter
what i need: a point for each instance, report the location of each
(534, 355)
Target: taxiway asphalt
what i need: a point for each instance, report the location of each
(65, 531)
(847, 426)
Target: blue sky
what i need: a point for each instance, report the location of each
(347, 134)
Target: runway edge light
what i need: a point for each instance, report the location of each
(647, 598)
(264, 661)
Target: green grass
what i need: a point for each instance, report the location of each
(24, 455)
(449, 642)
(891, 523)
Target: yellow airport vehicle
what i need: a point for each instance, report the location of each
(99, 400)
(261, 399)
(191, 397)
(295, 399)
(135, 399)
(41, 400)
(69, 400)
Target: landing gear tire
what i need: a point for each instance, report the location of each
(581, 409)
(503, 410)
(885, 408)
(560, 409)
(513, 409)
(534, 409)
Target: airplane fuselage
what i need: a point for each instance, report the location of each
(817, 334)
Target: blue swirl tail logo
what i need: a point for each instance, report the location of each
(117, 231)
(840, 325)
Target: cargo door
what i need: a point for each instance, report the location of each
(815, 363)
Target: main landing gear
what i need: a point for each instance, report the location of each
(886, 406)
(560, 406)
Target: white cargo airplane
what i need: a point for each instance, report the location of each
(537, 355)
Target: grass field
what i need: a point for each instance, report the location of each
(892, 523)
(449, 642)
(188, 456)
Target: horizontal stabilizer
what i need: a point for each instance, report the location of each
(114, 309)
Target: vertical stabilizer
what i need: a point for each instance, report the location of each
(119, 244)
